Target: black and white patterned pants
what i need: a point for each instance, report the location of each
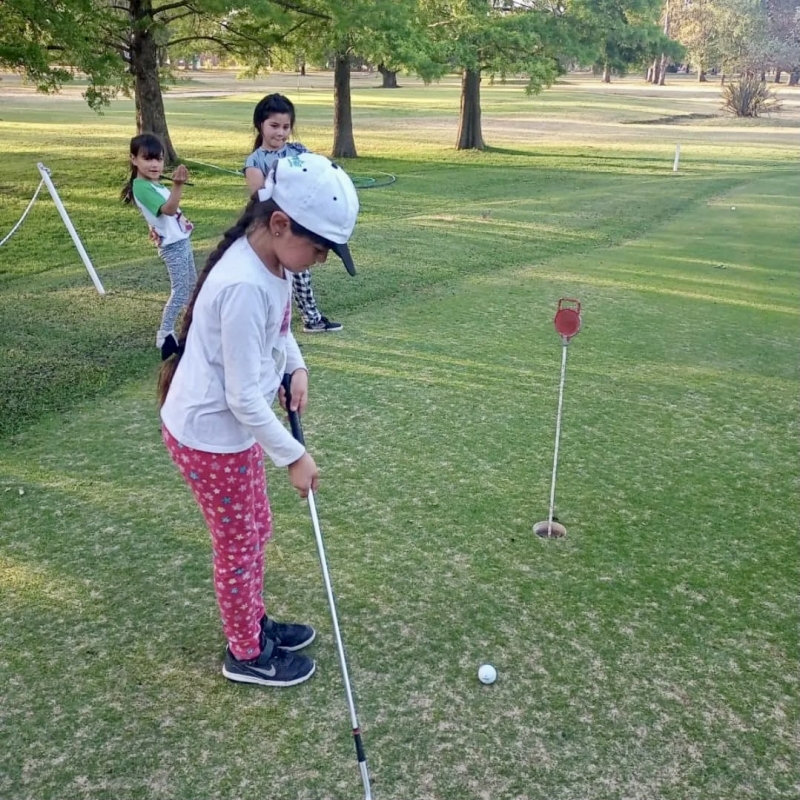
(179, 260)
(304, 297)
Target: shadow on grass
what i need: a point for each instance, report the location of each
(65, 344)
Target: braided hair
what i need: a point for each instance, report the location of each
(255, 213)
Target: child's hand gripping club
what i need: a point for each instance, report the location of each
(303, 473)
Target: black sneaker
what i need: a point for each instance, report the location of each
(274, 667)
(323, 326)
(288, 636)
(170, 347)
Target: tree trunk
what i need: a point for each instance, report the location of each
(303, 66)
(662, 72)
(701, 76)
(649, 74)
(344, 145)
(389, 77)
(149, 102)
(794, 76)
(654, 72)
(606, 74)
(469, 129)
(778, 74)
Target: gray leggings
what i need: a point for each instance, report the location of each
(179, 259)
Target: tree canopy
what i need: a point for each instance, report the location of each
(48, 42)
(739, 36)
(123, 45)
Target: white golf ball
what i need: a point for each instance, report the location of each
(733, 208)
(487, 674)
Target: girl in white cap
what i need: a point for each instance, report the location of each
(217, 388)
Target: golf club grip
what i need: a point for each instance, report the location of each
(294, 417)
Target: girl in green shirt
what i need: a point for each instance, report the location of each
(170, 230)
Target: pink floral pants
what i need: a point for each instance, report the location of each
(231, 490)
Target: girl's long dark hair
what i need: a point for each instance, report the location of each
(147, 145)
(255, 213)
(267, 106)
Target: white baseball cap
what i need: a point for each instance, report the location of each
(317, 194)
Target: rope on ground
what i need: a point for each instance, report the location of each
(25, 213)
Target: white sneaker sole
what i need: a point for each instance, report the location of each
(238, 678)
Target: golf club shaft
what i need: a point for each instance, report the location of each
(297, 432)
(167, 178)
(362, 758)
(564, 345)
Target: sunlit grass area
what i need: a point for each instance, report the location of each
(652, 653)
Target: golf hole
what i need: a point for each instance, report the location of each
(549, 530)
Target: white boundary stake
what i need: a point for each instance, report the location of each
(677, 157)
(45, 173)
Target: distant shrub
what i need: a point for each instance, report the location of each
(749, 97)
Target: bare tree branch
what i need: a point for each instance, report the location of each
(216, 39)
(289, 6)
(226, 26)
(293, 29)
(170, 6)
(169, 20)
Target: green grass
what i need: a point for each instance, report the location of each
(65, 343)
(651, 654)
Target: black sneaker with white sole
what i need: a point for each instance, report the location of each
(289, 636)
(274, 667)
(323, 326)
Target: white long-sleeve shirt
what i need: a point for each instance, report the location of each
(238, 348)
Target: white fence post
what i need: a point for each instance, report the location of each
(45, 173)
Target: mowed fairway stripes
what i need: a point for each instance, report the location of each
(650, 654)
